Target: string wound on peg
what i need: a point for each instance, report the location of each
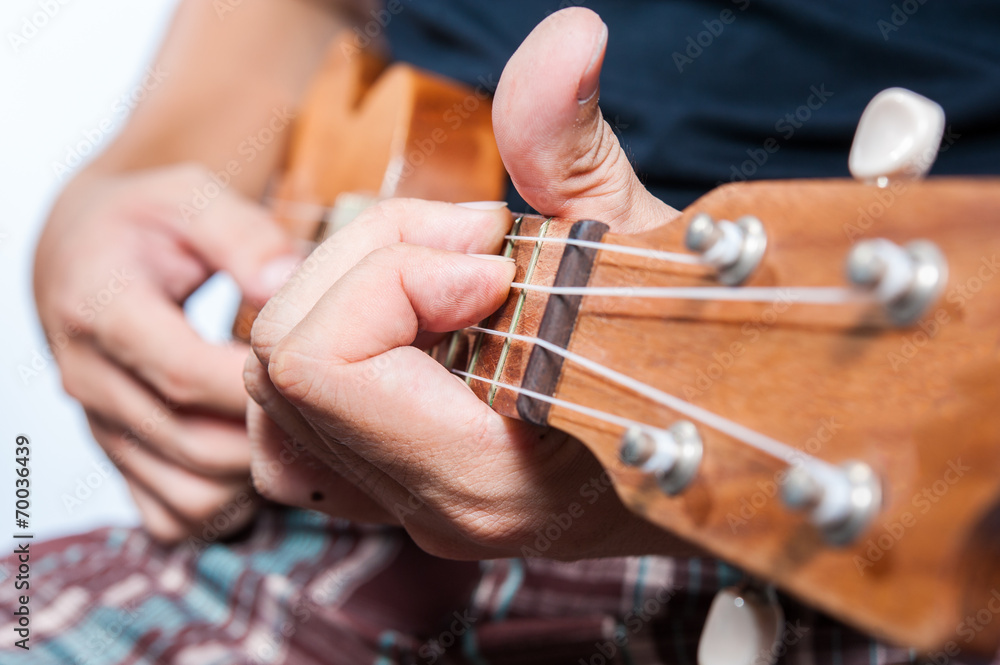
(672, 456)
(906, 280)
(735, 250)
(841, 502)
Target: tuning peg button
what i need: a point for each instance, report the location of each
(745, 626)
(898, 137)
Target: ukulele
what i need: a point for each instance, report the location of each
(833, 434)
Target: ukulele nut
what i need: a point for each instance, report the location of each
(672, 456)
(734, 249)
(906, 280)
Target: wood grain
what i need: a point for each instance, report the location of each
(920, 404)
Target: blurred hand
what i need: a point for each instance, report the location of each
(119, 256)
(338, 364)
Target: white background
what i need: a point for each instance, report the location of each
(58, 86)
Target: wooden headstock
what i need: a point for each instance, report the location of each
(920, 404)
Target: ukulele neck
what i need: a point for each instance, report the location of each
(546, 262)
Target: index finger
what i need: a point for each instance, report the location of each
(476, 228)
(145, 332)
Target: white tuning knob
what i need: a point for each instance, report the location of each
(898, 137)
(745, 626)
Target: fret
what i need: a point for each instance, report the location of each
(518, 308)
(498, 359)
(508, 251)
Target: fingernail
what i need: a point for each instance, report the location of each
(484, 205)
(492, 257)
(276, 272)
(591, 79)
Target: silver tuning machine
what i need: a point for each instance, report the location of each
(734, 249)
(841, 503)
(906, 280)
(672, 455)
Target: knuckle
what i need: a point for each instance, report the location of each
(266, 332)
(199, 511)
(71, 317)
(255, 379)
(72, 384)
(389, 257)
(391, 212)
(78, 383)
(220, 505)
(200, 459)
(161, 529)
(175, 383)
(113, 331)
(193, 451)
(291, 371)
(268, 482)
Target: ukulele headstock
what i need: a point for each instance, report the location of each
(809, 391)
(898, 393)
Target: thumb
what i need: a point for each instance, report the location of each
(238, 236)
(561, 155)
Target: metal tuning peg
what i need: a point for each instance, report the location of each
(898, 137)
(734, 249)
(841, 501)
(745, 626)
(672, 456)
(906, 280)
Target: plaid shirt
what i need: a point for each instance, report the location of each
(301, 589)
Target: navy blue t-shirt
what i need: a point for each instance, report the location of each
(696, 88)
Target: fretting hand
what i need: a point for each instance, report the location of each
(337, 364)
